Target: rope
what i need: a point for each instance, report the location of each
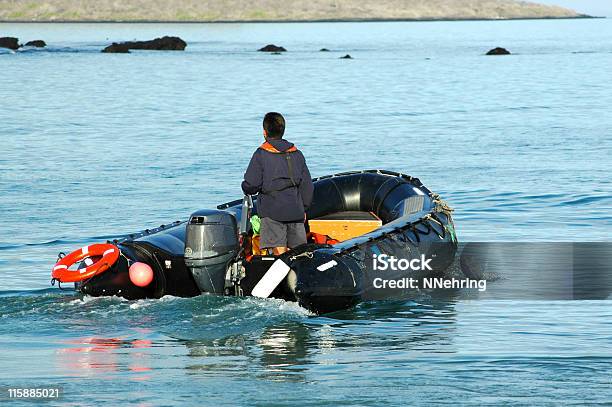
(432, 218)
(440, 204)
(309, 255)
(59, 284)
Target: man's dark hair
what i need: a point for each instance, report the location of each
(274, 125)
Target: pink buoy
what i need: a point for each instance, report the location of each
(141, 274)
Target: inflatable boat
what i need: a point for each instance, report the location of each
(355, 218)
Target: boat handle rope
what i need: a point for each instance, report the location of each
(440, 204)
(427, 225)
(59, 284)
(434, 219)
(308, 255)
(60, 256)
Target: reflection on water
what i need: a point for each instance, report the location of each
(285, 352)
(105, 357)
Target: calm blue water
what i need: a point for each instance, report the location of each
(95, 145)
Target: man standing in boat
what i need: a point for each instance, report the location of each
(279, 174)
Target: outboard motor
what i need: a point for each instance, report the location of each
(210, 245)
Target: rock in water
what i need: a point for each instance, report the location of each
(9, 42)
(116, 48)
(158, 44)
(499, 51)
(323, 50)
(36, 43)
(272, 48)
(347, 56)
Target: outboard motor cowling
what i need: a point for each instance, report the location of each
(210, 245)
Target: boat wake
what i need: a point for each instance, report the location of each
(204, 317)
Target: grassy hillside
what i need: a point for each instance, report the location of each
(261, 10)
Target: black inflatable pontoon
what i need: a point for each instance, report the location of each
(208, 253)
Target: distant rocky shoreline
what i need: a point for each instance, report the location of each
(352, 20)
(274, 11)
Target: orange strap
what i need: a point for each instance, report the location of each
(319, 238)
(271, 149)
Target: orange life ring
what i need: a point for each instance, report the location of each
(108, 253)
